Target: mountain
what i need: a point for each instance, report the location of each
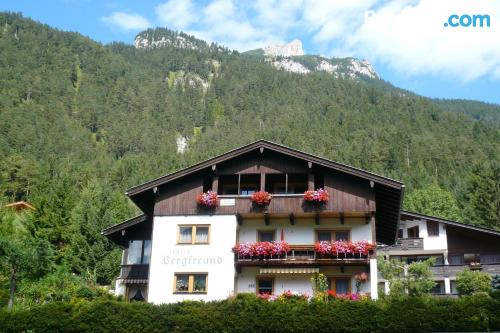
(80, 122)
(290, 57)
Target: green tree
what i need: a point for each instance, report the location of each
(21, 255)
(483, 193)
(473, 282)
(415, 279)
(434, 201)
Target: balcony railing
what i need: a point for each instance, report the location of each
(135, 273)
(301, 255)
(407, 244)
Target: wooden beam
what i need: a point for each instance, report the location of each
(316, 218)
(262, 181)
(342, 220)
(266, 219)
(292, 219)
(215, 183)
(261, 150)
(239, 219)
(214, 166)
(310, 181)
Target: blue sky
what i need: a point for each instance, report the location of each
(405, 40)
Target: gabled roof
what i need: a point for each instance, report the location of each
(388, 192)
(449, 222)
(271, 146)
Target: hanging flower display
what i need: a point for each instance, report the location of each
(361, 277)
(207, 199)
(261, 198)
(318, 196)
(261, 249)
(343, 248)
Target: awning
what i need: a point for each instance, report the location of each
(289, 270)
(134, 281)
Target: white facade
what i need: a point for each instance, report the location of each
(439, 242)
(216, 259)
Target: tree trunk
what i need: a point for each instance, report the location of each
(12, 290)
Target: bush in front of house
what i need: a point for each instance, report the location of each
(473, 282)
(249, 313)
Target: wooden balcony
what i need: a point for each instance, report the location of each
(403, 244)
(135, 273)
(301, 255)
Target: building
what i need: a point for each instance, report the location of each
(178, 250)
(181, 250)
(455, 247)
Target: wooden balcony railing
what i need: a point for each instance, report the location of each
(407, 244)
(301, 255)
(135, 273)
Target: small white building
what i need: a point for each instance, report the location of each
(181, 250)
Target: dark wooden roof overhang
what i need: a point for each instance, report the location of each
(407, 215)
(135, 228)
(389, 192)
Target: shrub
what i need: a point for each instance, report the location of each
(472, 282)
(248, 313)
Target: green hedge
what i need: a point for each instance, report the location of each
(246, 313)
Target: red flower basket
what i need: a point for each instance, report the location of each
(261, 198)
(318, 196)
(207, 199)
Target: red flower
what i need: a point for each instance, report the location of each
(207, 199)
(261, 198)
(320, 196)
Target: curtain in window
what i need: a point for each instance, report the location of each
(342, 286)
(134, 252)
(182, 283)
(342, 236)
(456, 259)
(147, 252)
(324, 236)
(185, 234)
(201, 234)
(199, 283)
(489, 258)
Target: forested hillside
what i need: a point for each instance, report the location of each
(80, 122)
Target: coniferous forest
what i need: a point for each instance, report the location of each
(80, 122)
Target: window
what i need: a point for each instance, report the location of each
(297, 183)
(193, 234)
(266, 235)
(413, 232)
(453, 287)
(249, 183)
(341, 285)
(456, 259)
(190, 283)
(489, 258)
(265, 285)
(432, 228)
(228, 185)
(332, 235)
(438, 288)
(138, 252)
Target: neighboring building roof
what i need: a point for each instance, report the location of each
(20, 205)
(449, 222)
(124, 225)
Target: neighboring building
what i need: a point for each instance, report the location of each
(178, 251)
(456, 246)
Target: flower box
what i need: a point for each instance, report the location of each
(318, 196)
(261, 250)
(342, 249)
(207, 199)
(261, 198)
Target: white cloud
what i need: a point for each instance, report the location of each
(407, 35)
(125, 21)
(176, 14)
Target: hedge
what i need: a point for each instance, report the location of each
(247, 313)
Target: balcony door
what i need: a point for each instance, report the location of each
(414, 232)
